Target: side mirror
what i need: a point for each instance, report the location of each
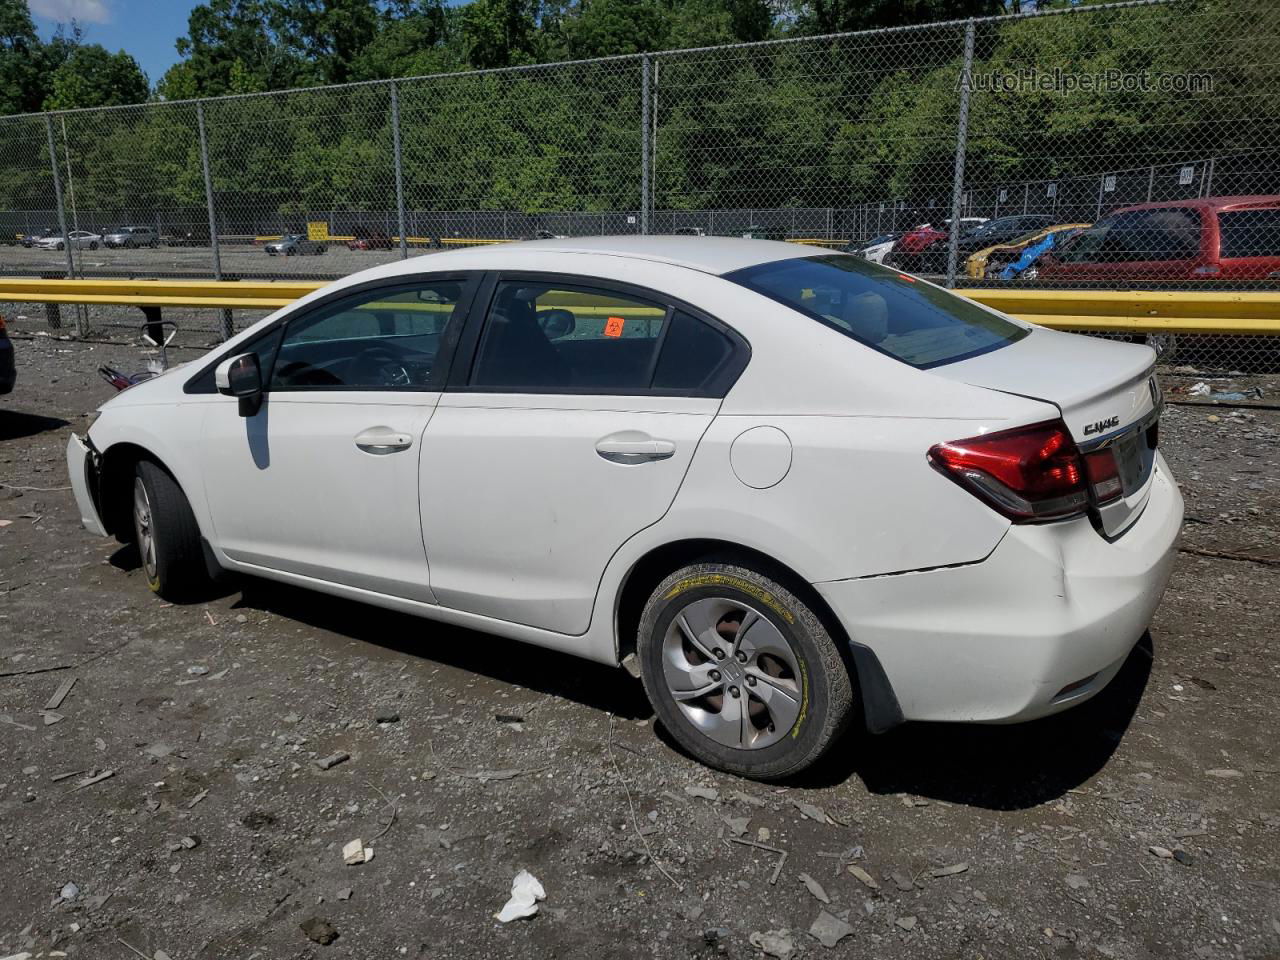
(241, 377)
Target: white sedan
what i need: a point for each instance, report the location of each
(76, 239)
(791, 490)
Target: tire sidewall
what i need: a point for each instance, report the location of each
(789, 616)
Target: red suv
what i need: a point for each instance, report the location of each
(1213, 238)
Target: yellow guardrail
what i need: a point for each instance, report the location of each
(1147, 311)
(1241, 312)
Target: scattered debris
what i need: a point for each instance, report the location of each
(197, 671)
(69, 892)
(356, 853)
(485, 775)
(508, 718)
(866, 879)
(5, 718)
(197, 798)
(1183, 857)
(814, 813)
(746, 798)
(1077, 881)
(1224, 773)
(60, 694)
(96, 778)
(526, 891)
(331, 761)
(703, 793)
(344, 893)
(386, 714)
(906, 923)
(1164, 853)
(782, 855)
(773, 943)
(939, 872)
(814, 887)
(902, 881)
(737, 825)
(319, 931)
(51, 717)
(829, 930)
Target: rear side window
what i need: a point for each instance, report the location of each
(919, 324)
(553, 337)
(1249, 233)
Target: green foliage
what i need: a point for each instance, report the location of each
(92, 77)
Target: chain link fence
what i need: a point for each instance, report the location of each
(1129, 146)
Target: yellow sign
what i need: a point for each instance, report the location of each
(318, 230)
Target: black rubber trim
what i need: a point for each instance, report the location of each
(879, 703)
(211, 565)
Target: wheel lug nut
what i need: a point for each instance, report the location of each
(715, 676)
(718, 653)
(751, 681)
(734, 692)
(742, 657)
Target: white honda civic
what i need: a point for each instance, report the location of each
(791, 490)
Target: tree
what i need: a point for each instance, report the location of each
(93, 77)
(500, 33)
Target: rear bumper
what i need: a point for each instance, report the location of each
(83, 469)
(1054, 605)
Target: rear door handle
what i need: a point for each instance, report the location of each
(634, 451)
(383, 440)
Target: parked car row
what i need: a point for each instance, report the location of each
(1230, 238)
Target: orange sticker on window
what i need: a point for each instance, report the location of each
(613, 327)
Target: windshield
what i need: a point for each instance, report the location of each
(919, 324)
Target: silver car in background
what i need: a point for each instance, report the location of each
(132, 237)
(294, 244)
(76, 239)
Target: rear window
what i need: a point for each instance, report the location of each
(919, 324)
(1249, 233)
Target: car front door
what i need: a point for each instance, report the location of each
(323, 480)
(574, 409)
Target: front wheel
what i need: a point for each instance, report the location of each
(93, 245)
(166, 533)
(742, 672)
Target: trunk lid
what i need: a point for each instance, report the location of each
(1107, 394)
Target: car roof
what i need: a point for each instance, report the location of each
(714, 255)
(1207, 203)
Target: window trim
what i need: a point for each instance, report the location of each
(471, 282)
(464, 360)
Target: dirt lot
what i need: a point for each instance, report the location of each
(216, 835)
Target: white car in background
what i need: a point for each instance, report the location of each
(77, 239)
(790, 489)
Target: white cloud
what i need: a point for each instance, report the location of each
(64, 11)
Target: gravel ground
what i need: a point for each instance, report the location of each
(217, 835)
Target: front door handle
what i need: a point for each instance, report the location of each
(383, 440)
(628, 451)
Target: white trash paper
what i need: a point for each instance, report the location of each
(526, 891)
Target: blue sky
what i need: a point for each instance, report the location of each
(145, 28)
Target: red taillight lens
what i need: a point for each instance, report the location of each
(1028, 473)
(1104, 475)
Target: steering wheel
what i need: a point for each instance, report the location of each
(556, 322)
(379, 365)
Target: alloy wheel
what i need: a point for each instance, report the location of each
(143, 528)
(732, 673)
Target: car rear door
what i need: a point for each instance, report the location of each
(574, 410)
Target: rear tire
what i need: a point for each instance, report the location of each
(166, 534)
(764, 702)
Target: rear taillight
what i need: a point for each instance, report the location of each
(1028, 473)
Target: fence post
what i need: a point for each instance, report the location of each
(228, 322)
(62, 217)
(645, 158)
(399, 165)
(962, 138)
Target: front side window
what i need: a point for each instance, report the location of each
(378, 340)
(919, 324)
